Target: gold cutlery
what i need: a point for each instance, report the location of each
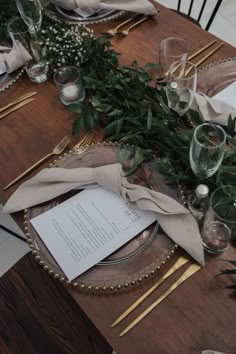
(126, 32)
(178, 264)
(18, 100)
(19, 105)
(58, 149)
(201, 50)
(190, 271)
(113, 31)
(205, 57)
(87, 139)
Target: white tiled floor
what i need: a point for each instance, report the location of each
(224, 25)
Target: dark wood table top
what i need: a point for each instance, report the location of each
(40, 315)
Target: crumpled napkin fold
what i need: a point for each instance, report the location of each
(175, 220)
(137, 6)
(13, 58)
(212, 109)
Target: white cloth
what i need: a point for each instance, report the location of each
(137, 6)
(212, 109)
(13, 58)
(175, 220)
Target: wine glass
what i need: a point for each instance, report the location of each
(207, 150)
(181, 86)
(30, 11)
(219, 225)
(170, 50)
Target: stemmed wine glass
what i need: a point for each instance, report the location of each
(31, 13)
(207, 150)
(181, 86)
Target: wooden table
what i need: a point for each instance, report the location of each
(40, 315)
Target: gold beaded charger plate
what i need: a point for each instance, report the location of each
(58, 14)
(135, 261)
(216, 76)
(7, 80)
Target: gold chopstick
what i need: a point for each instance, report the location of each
(209, 54)
(205, 57)
(21, 104)
(18, 100)
(201, 50)
(190, 271)
(178, 264)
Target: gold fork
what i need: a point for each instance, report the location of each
(58, 149)
(87, 139)
(126, 32)
(113, 31)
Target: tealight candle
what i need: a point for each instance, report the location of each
(215, 237)
(71, 89)
(69, 93)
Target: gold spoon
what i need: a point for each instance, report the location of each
(126, 32)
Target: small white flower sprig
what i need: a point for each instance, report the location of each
(65, 46)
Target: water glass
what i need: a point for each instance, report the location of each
(207, 150)
(69, 84)
(181, 86)
(30, 49)
(31, 13)
(170, 50)
(219, 225)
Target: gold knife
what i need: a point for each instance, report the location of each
(178, 264)
(19, 105)
(190, 271)
(18, 100)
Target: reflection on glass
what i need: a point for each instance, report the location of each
(181, 86)
(171, 49)
(30, 11)
(207, 150)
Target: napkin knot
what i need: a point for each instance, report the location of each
(109, 177)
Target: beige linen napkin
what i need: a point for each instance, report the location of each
(174, 219)
(13, 58)
(212, 109)
(137, 6)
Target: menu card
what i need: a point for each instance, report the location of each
(88, 227)
(228, 95)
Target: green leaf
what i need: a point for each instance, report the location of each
(231, 125)
(227, 271)
(88, 120)
(138, 159)
(229, 261)
(77, 125)
(75, 108)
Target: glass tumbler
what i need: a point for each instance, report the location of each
(29, 49)
(207, 150)
(69, 84)
(219, 225)
(170, 50)
(181, 86)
